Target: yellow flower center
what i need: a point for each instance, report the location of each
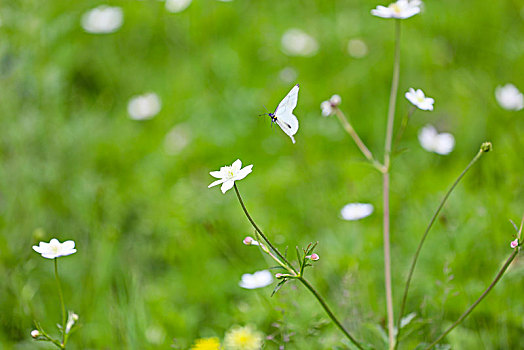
(395, 8)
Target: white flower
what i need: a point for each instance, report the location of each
(144, 107)
(259, 279)
(509, 97)
(432, 141)
(55, 249)
(103, 19)
(177, 139)
(419, 100)
(356, 211)
(71, 319)
(295, 42)
(328, 107)
(229, 174)
(288, 75)
(177, 5)
(35, 333)
(401, 9)
(357, 48)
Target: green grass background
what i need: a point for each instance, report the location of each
(160, 255)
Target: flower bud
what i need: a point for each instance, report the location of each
(279, 276)
(313, 257)
(486, 147)
(515, 243)
(335, 100)
(248, 240)
(35, 333)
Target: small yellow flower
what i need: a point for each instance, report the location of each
(206, 344)
(243, 338)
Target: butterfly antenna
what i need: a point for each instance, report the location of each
(264, 113)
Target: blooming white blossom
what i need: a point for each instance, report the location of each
(259, 279)
(509, 97)
(328, 107)
(177, 5)
(401, 9)
(144, 107)
(419, 100)
(229, 174)
(55, 249)
(514, 243)
(296, 42)
(102, 19)
(356, 211)
(357, 48)
(432, 141)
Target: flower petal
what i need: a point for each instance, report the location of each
(227, 185)
(217, 182)
(236, 166)
(217, 174)
(243, 172)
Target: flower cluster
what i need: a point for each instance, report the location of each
(328, 107)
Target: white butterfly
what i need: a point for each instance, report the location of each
(283, 114)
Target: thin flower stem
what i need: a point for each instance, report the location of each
(329, 312)
(358, 141)
(422, 240)
(403, 125)
(260, 232)
(470, 309)
(385, 187)
(59, 287)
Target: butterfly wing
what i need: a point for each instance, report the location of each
(284, 113)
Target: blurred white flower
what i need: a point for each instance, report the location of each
(177, 5)
(259, 279)
(401, 9)
(515, 243)
(432, 141)
(55, 249)
(328, 107)
(419, 100)
(102, 19)
(71, 319)
(356, 211)
(509, 97)
(288, 75)
(144, 107)
(357, 48)
(229, 174)
(35, 333)
(296, 42)
(177, 139)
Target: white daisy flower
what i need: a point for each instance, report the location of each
(356, 211)
(144, 107)
(229, 174)
(401, 9)
(296, 42)
(55, 249)
(509, 97)
(103, 20)
(432, 141)
(259, 279)
(419, 100)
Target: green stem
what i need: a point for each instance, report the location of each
(358, 141)
(470, 309)
(422, 240)
(385, 187)
(260, 232)
(59, 286)
(329, 312)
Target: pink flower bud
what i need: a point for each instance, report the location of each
(248, 240)
(35, 333)
(313, 257)
(514, 243)
(279, 275)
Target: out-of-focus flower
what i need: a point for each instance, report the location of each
(514, 243)
(229, 174)
(55, 249)
(419, 100)
(401, 9)
(144, 107)
(259, 279)
(206, 344)
(296, 42)
(177, 5)
(356, 211)
(313, 257)
(288, 75)
(243, 338)
(509, 97)
(102, 19)
(35, 333)
(357, 48)
(71, 319)
(177, 139)
(328, 107)
(432, 141)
